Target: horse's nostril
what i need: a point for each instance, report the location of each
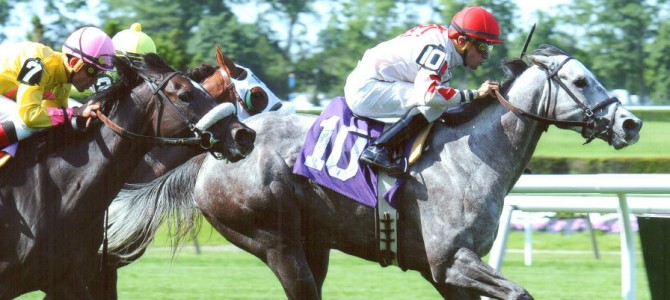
(244, 137)
(632, 124)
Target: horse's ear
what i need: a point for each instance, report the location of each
(227, 64)
(540, 60)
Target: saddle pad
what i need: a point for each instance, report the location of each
(331, 150)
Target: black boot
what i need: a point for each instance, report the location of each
(7, 134)
(379, 154)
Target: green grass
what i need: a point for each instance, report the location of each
(557, 142)
(563, 268)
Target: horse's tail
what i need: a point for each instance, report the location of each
(139, 209)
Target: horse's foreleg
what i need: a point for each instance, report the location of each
(103, 284)
(449, 291)
(317, 258)
(468, 271)
(70, 287)
(291, 268)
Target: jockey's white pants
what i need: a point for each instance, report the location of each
(9, 111)
(381, 99)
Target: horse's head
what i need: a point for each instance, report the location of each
(176, 109)
(252, 94)
(573, 95)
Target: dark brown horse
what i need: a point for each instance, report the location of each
(449, 209)
(227, 83)
(54, 193)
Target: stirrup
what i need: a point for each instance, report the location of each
(394, 170)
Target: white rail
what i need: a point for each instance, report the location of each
(589, 193)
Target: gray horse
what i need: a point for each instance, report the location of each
(449, 208)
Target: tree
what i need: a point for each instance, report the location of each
(170, 23)
(659, 63)
(38, 30)
(292, 9)
(246, 44)
(615, 32)
(353, 27)
(60, 18)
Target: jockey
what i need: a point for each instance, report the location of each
(414, 70)
(133, 43)
(35, 82)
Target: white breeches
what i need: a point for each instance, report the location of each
(380, 99)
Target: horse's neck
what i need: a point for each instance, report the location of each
(93, 168)
(497, 142)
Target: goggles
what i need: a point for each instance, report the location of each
(102, 62)
(92, 71)
(483, 47)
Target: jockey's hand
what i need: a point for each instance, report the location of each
(488, 88)
(87, 111)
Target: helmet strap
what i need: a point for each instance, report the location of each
(462, 50)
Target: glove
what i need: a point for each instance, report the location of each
(82, 115)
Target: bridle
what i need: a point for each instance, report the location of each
(598, 125)
(202, 137)
(229, 87)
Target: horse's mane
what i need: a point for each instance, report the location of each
(202, 72)
(548, 50)
(512, 69)
(128, 71)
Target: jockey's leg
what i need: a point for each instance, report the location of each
(379, 154)
(7, 134)
(12, 131)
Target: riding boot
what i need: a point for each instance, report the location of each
(379, 154)
(7, 134)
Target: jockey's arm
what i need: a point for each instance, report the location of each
(433, 92)
(37, 112)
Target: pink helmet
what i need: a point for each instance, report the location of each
(92, 45)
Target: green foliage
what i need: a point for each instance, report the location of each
(5, 8)
(38, 30)
(561, 165)
(659, 63)
(244, 44)
(615, 32)
(291, 11)
(624, 43)
(652, 115)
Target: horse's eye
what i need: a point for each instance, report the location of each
(580, 82)
(185, 96)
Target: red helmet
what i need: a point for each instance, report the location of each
(477, 23)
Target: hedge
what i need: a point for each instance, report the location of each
(652, 115)
(560, 165)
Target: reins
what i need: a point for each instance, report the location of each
(598, 125)
(204, 139)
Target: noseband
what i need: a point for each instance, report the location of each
(204, 139)
(598, 125)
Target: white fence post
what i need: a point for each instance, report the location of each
(588, 194)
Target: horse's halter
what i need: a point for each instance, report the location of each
(598, 125)
(229, 88)
(204, 139)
